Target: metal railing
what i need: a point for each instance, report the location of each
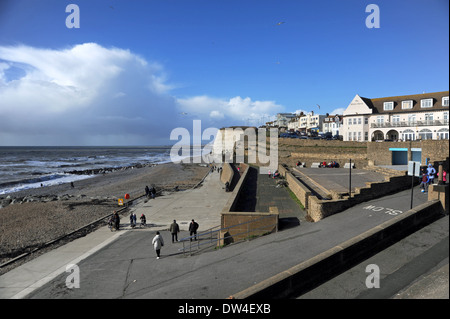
(409, 124)
(212, 237)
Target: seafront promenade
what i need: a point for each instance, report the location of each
(123, 265)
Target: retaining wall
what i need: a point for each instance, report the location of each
(254, 223)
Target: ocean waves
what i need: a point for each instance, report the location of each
(31, 167)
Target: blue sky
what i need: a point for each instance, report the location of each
(137, 69)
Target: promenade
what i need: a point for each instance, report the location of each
(123, 264)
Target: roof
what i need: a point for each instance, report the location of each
(377, 104)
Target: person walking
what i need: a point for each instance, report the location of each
(174, 230)
(157, 243)
(431, 171)
(424, 182)
(153, 192)
(116, 220)
(193, 226)
(143, 220)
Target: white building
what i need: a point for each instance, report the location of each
(310, 122)
(283, 119)
(408, 117)
(332, 124)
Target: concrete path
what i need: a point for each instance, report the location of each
(127, 268)
(203, 204)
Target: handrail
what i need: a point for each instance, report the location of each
(197, 237)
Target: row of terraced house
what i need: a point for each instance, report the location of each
(398, 118)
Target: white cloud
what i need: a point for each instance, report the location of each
(79, 94)
(91, 95)
(233, 111)
(338, 111)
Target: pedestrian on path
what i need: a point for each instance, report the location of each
(424, 182)
(431, 171)
(174, 230)
(116, 220)
(157, 243)
(133, 220)
(193, 226)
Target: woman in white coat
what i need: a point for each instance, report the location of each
(157, 243)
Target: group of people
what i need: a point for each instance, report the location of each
(150, 192)
(332, 164)
(323, 164)
(275, 174)
(114, 221)
(428, 177)
(174, 229)
(133, 220)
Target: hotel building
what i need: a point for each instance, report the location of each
(398, 118)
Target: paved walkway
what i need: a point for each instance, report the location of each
(128, 268)
(202, 204)
(323, 180)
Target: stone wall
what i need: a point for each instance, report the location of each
(227, 173)
(311, 151)
(319, 209)
(242, 225)
(300, 190)
(239, 226)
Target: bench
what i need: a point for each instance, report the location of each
(347, 165)
(315, 165)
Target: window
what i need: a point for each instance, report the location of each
(445, 118)
(445, 101)
(366, 136)
(366, 120)
(442, 134)
(349, 121)
(396, 119)
(388, 106)
(354, 136)
(407, 104)
(426, 103)
(429, 118)
(354, 121)
(359, 136)
(408, 135)
(412, 119)
(425, 134)
(349, 136)
(380, 120)
(359, 120)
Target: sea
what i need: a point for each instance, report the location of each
(32, 167)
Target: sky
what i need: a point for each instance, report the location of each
(134, 70)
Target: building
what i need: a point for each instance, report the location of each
(283, 119)
(332, 124)
(398, 118)
(310, 122)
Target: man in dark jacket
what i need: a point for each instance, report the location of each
(174, 230)
(193, 226)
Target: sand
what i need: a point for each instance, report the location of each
(40, 215)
